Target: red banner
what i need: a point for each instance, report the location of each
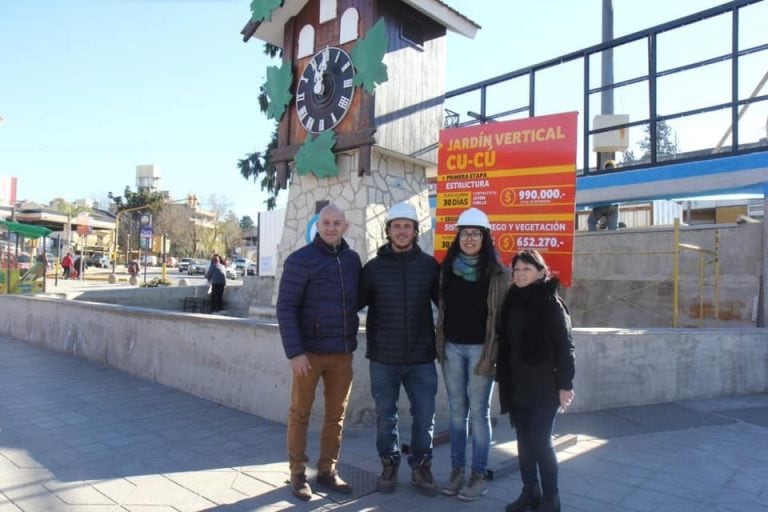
(522, 174)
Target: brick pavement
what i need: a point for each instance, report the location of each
(75, 436)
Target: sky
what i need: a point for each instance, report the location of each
(89, 89)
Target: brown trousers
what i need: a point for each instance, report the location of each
(336, 372)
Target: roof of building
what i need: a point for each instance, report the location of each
(437, 10)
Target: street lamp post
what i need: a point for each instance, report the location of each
(113, 276)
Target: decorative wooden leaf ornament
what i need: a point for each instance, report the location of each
(261, 10)
(368, 55)
(278, 88)
(316, 156)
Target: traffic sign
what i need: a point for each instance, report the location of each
(146, 232)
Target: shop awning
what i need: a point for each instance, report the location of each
(25, 230)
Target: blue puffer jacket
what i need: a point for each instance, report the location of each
(317, 300)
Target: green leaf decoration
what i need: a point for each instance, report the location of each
(315, 156)
(261, 10)
(368, 55)
(278, 89)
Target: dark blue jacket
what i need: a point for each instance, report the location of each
(317, 300)
(399, 289)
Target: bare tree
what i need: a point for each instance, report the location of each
(176, 223)
(213, 239)
(231, 233)
(70, 210)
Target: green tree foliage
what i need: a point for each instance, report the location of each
(255, 166)
(145, 201)
(666, 145)
(246, 222)
(153, 200)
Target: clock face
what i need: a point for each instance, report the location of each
(325, 90)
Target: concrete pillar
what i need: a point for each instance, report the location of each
(762, 314)
(364, 199)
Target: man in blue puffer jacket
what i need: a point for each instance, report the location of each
(317, 312)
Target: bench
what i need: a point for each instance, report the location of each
(197, 305)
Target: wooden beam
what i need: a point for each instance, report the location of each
(364, 160)
(281, 180)
(344, 142)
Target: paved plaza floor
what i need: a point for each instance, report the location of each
(76, 436)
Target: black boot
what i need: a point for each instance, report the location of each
(550, 504)
(529, 499)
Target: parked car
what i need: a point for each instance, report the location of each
(7, 259)
(149, 260)
(24, 261)
(184, 264)
(244, 267)
(98, 260)
(198, 267)
(230, 271)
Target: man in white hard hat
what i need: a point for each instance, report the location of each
(399, 286)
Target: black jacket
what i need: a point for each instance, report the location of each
(398, 288)
(535, 357)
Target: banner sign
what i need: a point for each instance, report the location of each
(522, 174)
(7, 190)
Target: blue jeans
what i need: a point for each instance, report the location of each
(469, 396)
(420, 383)
(535, 452)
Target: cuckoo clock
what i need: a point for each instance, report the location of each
(338, 89)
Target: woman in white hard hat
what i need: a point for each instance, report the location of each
(472, 287)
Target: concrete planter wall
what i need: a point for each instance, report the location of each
(240, 363)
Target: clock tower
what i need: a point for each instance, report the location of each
(359, 101)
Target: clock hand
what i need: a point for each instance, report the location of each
(320, 69)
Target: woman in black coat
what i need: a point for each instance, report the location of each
(535, 368)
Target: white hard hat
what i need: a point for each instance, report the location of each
(402, 211)
(473, 217)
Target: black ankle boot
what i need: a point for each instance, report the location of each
(550, 504)
(529, 499)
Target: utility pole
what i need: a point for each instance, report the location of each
(606, 96)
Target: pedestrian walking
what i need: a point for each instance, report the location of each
(217, 278)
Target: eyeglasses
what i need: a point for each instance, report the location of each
(470, 235)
